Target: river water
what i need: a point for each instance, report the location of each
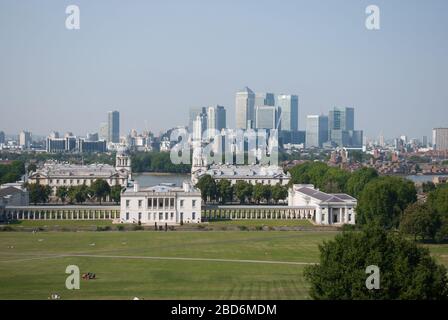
(423, 178)
(152, 179)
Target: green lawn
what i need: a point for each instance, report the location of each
(261, 223)
(31, 269)
(130, 264)
(61, 223)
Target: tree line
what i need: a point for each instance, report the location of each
(98, 191)
(11, 172)
(388, 218)
(245, 193)
(156, 162)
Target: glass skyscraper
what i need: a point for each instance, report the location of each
(288, 112)
(245, 105)
(113, 127)
(316, 131)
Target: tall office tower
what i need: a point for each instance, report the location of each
(216, 119)
(316, 131)
(2, 137)
(193, 113)
(264, 99)
(440, 139)
(289, 112)
(341, 124)
(342, 119)
(425, 141)
(245, 105)
(25, 139)
(199, 126)
(104, 131)
(265, 117)
(404, 138)
(113, 126)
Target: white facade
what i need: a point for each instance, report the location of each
(161, 204)
(253, 174)
(55, 174)
(327, 209)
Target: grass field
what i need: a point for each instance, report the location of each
(261, 223)
(162, 265)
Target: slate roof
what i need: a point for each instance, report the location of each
(324, 197)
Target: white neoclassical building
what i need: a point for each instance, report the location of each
(326, 208)
(56, 174)
(164, 203)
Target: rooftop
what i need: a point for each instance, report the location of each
(310, 191)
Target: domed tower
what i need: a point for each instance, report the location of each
(123, 160)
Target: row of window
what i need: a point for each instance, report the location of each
(167, 216)
(160, 203)
(268, 181)
(79, 181)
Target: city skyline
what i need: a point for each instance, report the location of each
(73, 78)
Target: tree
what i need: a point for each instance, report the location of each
(267, 192)
(438, 199)
(62, 193)
(419, 221)
(309, 173)
(335, 180)
(100, 189)
(359, 179)
(31, 167)
(78, 194)
(407, 271)
(258, 192)
(384, 199)
(243, 191)
(11, 172)
(207, 185)
(115, 193)
(224, 190)
(38, 193)
(279, 192)
(428, 186)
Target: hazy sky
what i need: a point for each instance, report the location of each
(152, 60)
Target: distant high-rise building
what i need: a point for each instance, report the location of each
(104, 131)
(92, 137)
(404, 138)
(2, 137)
(425, 142)
(25, 139)
(216, 119)
(264, 99)
(193, 113)
(288, 106)
(265, 117)
(341, 124)
(440, 139)
(113, 125)
(199, 126)
(245, 105)
(316, 131)
(342, 119)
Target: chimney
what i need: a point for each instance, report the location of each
(136, 187)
